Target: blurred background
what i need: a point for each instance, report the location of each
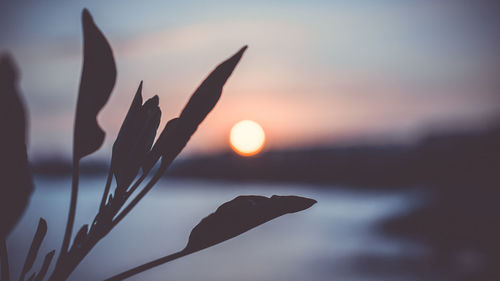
(386, 112)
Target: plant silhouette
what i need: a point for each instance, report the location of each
(16, 186)
(229, 220)
(134, 155)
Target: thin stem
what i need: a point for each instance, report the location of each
(137, 183)
(71, 214)
(5, 259)
(149, 265)
(106, 189)
(62, 272)
(126, 194)
(143, 192)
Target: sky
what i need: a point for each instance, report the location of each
(315, 73)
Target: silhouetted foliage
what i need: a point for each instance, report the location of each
(135, 138)
(178, 131)
(35, 246)
(97, 81)
(16, 186)
(228, 221)
(240, 215)
(206, 96)
(132, 150)
(45, 266)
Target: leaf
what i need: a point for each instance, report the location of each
(16, 187)
(207, 94)
(135, 138)
(148, 134)
(128, 123)
(96, 83)
(125, 140)
(170, 144)
(240, 215)
(146, 126)
(35, 246)
(229, 220)
(45, 266)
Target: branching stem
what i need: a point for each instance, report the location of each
(163, 166)
(106, 188)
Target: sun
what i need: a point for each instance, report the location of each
(247, 138)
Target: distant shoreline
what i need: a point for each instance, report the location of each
(442, 161)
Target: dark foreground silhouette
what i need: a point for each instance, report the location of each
(134, 157)
(16, 186)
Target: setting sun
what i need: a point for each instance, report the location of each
(247, 138)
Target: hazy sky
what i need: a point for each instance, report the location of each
(315, 71)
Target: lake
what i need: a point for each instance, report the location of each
(330, 241)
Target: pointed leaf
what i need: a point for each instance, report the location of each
(207, 94)
(16, 187)
(97, 81)
(121, 141)
(152, 121)
(240, 215)
(229, 220)
(199, 105)
(35, 246)
(45, 266)
(148, 136)
(126, 137)
(136, 143)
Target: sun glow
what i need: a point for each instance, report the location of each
(247, 138)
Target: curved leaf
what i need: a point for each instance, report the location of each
(96, 83)
(207, 94)
(229, 220)
(240, 215)
(16, 186)
(199, 105)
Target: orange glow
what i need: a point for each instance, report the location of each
(247, 138)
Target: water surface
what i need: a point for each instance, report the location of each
(324, 242)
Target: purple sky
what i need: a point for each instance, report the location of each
(315, 71)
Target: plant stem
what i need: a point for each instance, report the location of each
(71, 214)
(137, 183)
(149, 265)
(5, 259)
(63, 270)
(143, 192)
(106, 189)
